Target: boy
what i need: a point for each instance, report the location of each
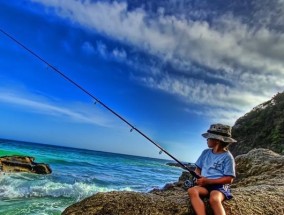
(216, 166)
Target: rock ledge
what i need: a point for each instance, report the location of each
(17, 163)
(258, 190)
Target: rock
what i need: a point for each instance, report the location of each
(23, 164)
(259, 166)
(258, 190)
(129, 203)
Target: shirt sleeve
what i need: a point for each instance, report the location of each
(199, 162)
(229, 169)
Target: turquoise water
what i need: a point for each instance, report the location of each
(76, 175)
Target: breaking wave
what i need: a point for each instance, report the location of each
(22, 185)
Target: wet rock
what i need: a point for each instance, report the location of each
(23, 164)
(258, 190)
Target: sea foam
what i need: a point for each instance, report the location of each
(19, 185)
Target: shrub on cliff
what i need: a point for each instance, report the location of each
(262, 127)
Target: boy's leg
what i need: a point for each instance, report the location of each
(215, 200)
(194, 194)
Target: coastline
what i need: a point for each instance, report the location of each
(254, 193)
(77, 174)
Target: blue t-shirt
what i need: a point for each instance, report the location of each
(216, 165)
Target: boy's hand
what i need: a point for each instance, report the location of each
(202, 181)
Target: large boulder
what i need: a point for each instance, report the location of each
(258, 190)
(18, 163)
(259, 167)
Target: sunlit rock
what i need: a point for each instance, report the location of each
(23, 164)
(258, 190)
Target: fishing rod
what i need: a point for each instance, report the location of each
(100, 102)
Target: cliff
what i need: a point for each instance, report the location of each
(258, 190)
(262, 127)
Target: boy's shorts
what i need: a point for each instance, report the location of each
(225, 189)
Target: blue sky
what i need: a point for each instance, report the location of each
(171, 68)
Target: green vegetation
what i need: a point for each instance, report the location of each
(263, 127)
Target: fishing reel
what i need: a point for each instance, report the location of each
(189, 183)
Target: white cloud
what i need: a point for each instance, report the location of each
(248, 58)
(105, 52)
(101, 49)
(198, 92)
(119, 54)
(228, 41)
(79, 113)
(227, 116)
(88, 48)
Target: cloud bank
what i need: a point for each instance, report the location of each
(228, 63)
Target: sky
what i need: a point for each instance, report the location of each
(171, 68)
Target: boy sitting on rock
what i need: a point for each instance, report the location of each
(216, 166)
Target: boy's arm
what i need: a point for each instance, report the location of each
(208, 181)
(197, 171)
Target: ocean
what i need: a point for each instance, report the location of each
(77, 174)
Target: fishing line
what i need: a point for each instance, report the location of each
(98, 101)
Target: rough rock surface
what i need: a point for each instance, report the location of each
(258, 190)
(23, 164)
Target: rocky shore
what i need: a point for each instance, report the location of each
(258, 190)
(23, 164)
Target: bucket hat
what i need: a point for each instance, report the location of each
(219, 132)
